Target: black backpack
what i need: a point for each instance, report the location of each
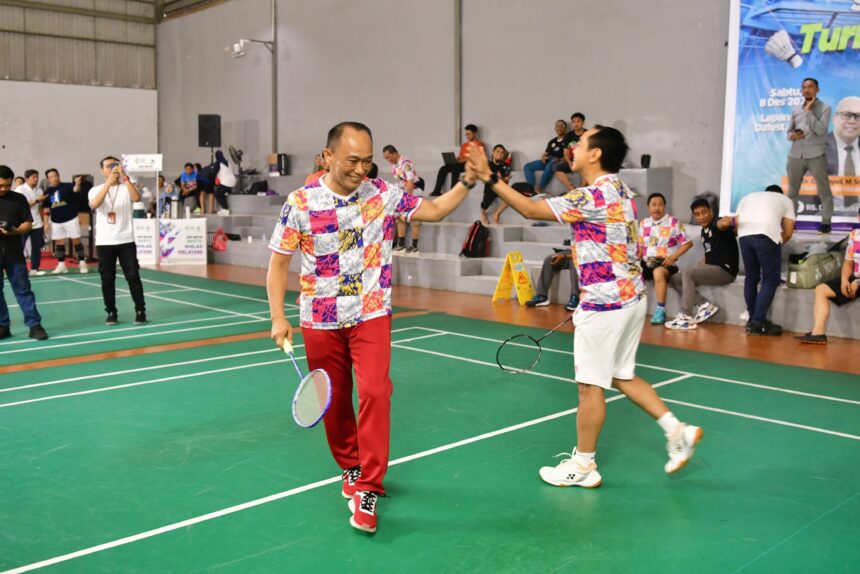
(477, 242)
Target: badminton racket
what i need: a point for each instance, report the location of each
(522, 352)
(313, 396)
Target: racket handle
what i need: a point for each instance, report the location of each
(288, 347)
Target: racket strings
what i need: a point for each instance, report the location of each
(518, 354)
(312, 398)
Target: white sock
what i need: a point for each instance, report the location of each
(583, 458)
(669, 423)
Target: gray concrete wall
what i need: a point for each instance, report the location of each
(654, 69)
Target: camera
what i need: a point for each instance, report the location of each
(113, 165)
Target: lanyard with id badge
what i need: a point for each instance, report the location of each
(111, 216)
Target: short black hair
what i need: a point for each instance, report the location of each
(813, 80)
(335, 133)
(578, 115)
(104, 159)
(374, 171)
(653, 195)
(501, 146)
(471, 128)
(191, 165)
(30, 172)
(6, 172)
(51, 169)
(700, 202)
(775, 188)
(613, 146)
(389, 148)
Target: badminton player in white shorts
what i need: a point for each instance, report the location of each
(610, 316)
(343, 227)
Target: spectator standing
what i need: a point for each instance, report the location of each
(407, 179)
(112, 201)
(765, 220)
(15, 222)
(63, 203)
(36, 235)
(807, 133)
(571, 140)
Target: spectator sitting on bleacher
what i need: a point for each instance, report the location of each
(167, 194)
(552, 264)
(320, 169)
(188, 184)
(764, 220)
(662, 241)
(720, 267)
(457, 169)
(839, 291)
(407, 179)
(501, 166)
(571, 140)
(552, 156)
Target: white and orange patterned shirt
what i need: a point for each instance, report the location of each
(661, 238)
(605, 234)
(345, 244)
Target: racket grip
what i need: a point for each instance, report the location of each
(288, 348)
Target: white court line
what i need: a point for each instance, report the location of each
(764, 419)
(137, 336)
(668, 370)
(234, 296)
(162, 379)
(39, 303)
(294, 491)
(190, 304)
(114, 330)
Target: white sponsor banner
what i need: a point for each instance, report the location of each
(146, 240)
(135, 163)
(183, 241)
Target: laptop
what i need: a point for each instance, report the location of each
(450, 158)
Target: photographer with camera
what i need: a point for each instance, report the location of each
(15, 222)
(112, 202)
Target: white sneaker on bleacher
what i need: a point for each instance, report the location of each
(223, 212)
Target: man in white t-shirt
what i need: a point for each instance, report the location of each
(36, 235)
(112, 201)
(765, 220)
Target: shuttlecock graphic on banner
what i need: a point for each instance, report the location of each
(779, 46)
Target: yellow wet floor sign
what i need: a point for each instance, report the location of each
(514, 276)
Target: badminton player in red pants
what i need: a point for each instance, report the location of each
(343, 227)
(609, 319)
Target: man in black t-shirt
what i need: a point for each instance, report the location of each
(15, 221)
(500, 165)
(552, 155)
(571, 140)
(63, 202)
(720, 267)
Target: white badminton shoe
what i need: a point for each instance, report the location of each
(681, 447)
(569, 472)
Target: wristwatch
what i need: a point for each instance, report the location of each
(494, 179)
(466, 183)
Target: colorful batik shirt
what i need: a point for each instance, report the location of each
(661, 238)
(345, 245)
(605, 232)
(853, 251)
(404, 171)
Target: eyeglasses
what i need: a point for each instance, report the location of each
(849, 116)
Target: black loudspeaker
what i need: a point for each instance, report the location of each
(209, 130)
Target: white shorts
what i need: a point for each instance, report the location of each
(605, 344)
(67, 230)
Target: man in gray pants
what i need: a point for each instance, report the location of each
(720, 267)
(808, 136)
(553, 264)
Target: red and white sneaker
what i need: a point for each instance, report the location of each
(363, 508)
(350, 477)
(681, 447)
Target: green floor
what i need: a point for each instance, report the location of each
(134, 453)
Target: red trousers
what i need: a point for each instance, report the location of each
(366, 348)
